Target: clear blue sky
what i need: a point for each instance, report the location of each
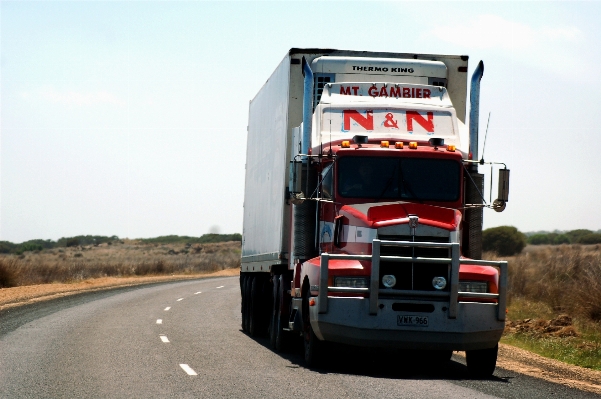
(129, 118)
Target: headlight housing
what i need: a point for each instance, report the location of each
(473, 286)
(439, 283)
(351, 282)
(388, 280)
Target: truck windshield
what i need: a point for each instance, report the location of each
(397, 178)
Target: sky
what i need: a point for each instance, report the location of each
(129, 118)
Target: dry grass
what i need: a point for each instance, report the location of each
(121, 259)
(555, 302)
(567, 278)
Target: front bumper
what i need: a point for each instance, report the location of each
(348, 321)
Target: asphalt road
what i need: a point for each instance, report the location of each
(183, 340)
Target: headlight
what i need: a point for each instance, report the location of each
(352, 282)
(439, 283)
(388, 280)
(473, 286)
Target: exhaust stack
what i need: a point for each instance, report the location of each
(475, 111)
(307, 108)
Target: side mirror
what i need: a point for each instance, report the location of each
(503, 195)
(294, 177)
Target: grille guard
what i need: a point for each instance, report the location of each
(374, 289)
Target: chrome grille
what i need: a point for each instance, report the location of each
(414, 276)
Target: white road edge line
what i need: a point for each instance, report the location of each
(159, 321)
(196, 293)
(167, 308)
(221, 286)
(164, 339)
(181, 299)
(188, 369)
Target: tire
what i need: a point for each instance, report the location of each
(273, 320)
(481, 363)
(280, 339)
(255, 307)
(441, 356)
(243, 278)
(247, 304)
(313, 347)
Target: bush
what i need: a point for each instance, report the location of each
(576, 234)
(593, 238)
(561, 239)
(504, 240)
(539, 239)
(72, 242)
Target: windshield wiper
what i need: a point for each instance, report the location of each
(405, 184)
(388, 183)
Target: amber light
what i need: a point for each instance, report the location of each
(398, 144)
(413, 145)
(451, 148)
(384, 144)
(345, 144)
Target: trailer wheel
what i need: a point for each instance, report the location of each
(441, 356)
(243, 278)
(255, 307)
(481, 363)
(273, 321)
(247, 304)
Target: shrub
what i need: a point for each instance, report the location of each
(504, 240)
(561, 239)
(593, 238)
(72, 242)
(538, 239)
(576, 234)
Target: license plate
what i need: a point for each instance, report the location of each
(415, 321)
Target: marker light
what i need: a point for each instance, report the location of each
(451, 148)
(398, 144)
(384, 144)
(413, 145)
(439, 283)
(345, 144)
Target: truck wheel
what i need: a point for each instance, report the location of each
(247, 305)
(273, 321)
(255, 307)
(481, 363)
(441, 356)
(279, 338)
(312, 345)
(243, 298)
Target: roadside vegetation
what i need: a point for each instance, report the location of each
(554, 304)
(85, 257)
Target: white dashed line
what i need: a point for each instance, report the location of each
(159, 321)
(181, 299)
(196, 293)
(167, 308)
(221, 286)
(188, 369)
(164, 339)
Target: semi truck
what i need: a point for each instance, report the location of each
(363, 208)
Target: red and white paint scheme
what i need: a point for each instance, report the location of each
(362, 209)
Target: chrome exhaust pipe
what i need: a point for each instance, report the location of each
(475, 112)
(307, 108)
